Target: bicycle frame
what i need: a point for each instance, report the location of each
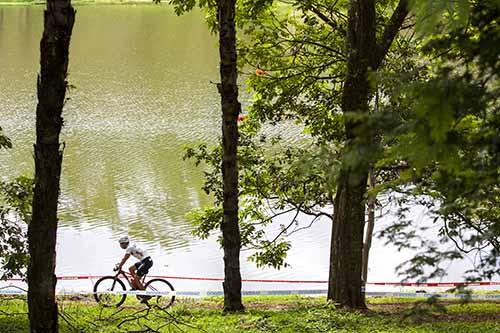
(127, 276)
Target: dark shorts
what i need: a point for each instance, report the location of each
(143, 266)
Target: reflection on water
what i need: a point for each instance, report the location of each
(144, 188)
(142, 91)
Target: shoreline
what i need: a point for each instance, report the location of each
(82, 2)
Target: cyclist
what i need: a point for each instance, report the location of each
(140, 268)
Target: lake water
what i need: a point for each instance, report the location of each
(143, 90)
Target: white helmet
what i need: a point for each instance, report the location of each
(123, 240)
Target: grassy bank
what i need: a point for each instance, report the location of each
(264, 314)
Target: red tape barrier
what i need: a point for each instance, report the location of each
(404, 284)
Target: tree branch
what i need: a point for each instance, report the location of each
(273, 216)
(287, 227)
(318, 44)
(327, 20)
(390, 31)
(305, 227)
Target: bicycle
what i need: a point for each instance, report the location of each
(109, 290)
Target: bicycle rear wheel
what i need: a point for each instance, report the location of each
(167, 296)
(103, 291)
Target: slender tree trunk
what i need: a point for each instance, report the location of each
(346, 259)
(230, 109)
(370, 205)
(54, 48)
(370, 224)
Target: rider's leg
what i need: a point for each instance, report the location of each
(136, 280)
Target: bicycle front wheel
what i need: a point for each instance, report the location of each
(166, 292)
(107, 291)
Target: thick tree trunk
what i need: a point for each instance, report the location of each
(54, 49)
(346, 259)
(230, 109)
(349, 208)
(370, 224)
(344, 286)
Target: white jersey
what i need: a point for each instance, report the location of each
(136, 252)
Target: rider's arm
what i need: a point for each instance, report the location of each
(125, 257)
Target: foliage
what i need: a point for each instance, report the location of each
(208, 6)
(302, 63)
(4, 141)
(451, 143)
(440, 15)
(442, 156)
(15, 214)
(182, 6)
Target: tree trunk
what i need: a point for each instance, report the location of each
(345, 285)
(230, 109)
(346, 259)
(54, 47)
(370, 224)
(370, 205)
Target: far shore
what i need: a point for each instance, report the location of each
(80, 2)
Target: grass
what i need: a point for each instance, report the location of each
(263, 314)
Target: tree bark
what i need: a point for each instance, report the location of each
(228, 90)
(346, 255)
(59, 17)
